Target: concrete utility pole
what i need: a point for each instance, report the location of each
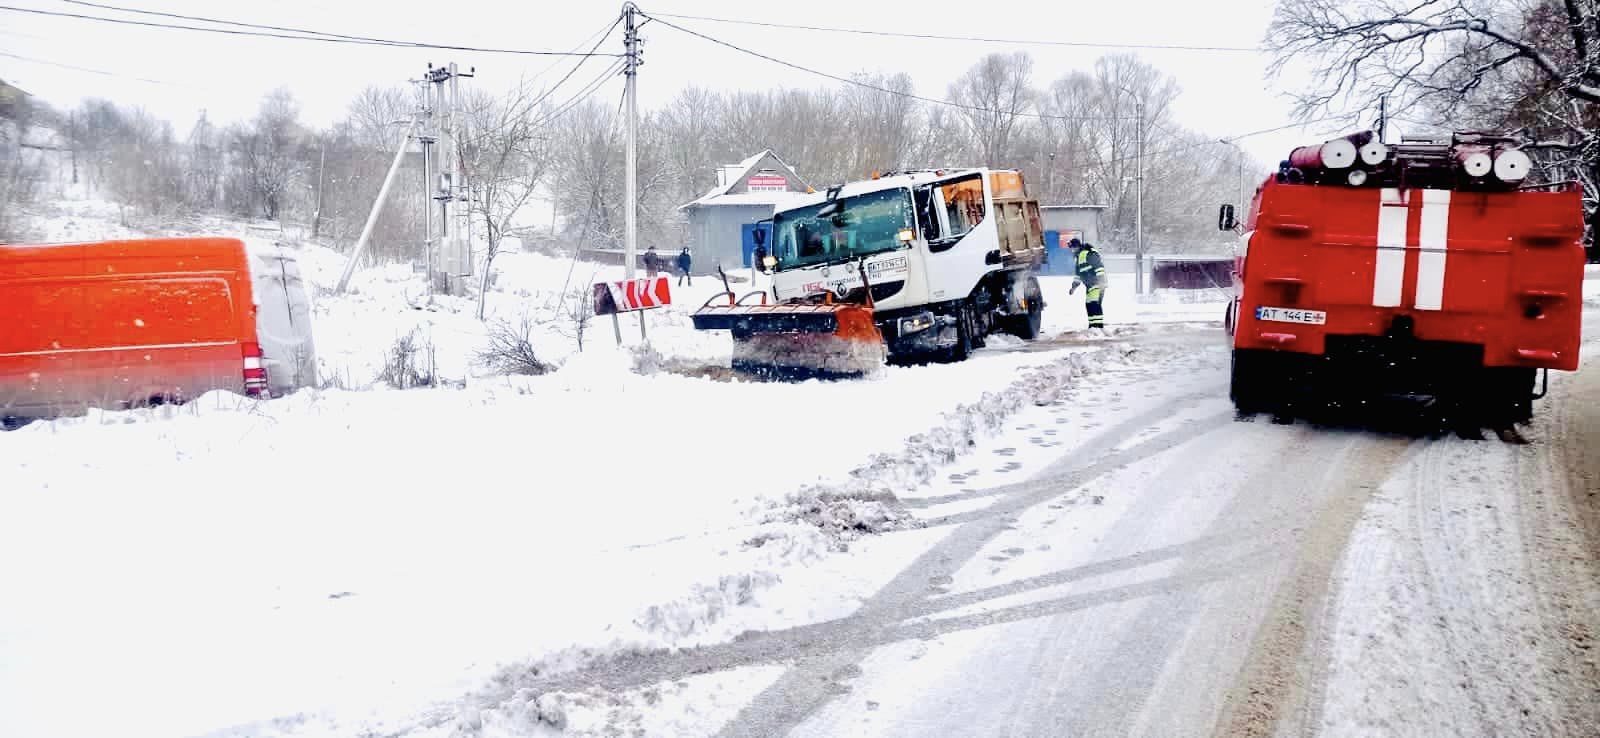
(377, 206)
(1138, 213)
(630, 250)
(444, 184)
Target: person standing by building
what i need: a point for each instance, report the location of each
(684, 262)
(1090, 271)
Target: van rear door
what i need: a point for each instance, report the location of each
(283, 318)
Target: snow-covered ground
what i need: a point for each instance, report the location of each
(357, 558)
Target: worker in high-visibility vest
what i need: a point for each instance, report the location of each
(1091, 273)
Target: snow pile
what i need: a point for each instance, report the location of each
(925, 453)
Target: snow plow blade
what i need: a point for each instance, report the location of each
(797, 342)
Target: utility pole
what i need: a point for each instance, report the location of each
(1383, 119)
(1138, 212)
(377, 205)
(630, 250)
(1050, 188)
(72, 141)
(316, 213)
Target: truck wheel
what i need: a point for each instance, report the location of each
(1026, 327)
(965, 329)
(1507, 395)
(1247, 386)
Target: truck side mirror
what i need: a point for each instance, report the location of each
(1225, 219)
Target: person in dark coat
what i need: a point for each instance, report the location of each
(1091, 272)
(652, 262)
(684, 262)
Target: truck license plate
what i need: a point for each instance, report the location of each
(1289, 315)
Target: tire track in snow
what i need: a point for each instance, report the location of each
(813, 681)
(1277, 675)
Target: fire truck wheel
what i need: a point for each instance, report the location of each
(1250, 387)
(1507, 394)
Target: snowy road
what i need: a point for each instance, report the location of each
(1183, 581)
(1176, 573)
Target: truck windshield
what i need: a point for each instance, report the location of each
(860, 225)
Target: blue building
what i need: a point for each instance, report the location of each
(720, 223)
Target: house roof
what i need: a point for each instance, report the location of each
(736, 173)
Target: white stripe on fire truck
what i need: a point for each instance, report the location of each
(1390, 275)
(1432, 241)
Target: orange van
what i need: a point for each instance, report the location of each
(117, 324)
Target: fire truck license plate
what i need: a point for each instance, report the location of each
(1288, 315)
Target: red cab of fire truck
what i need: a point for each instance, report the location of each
(1426, 270)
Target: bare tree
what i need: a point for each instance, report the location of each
(1532, 65)
(20, 171)
(505, 161)
(266, 150)
(994, 95)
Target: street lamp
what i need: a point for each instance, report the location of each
(1138, 192)
(1240, 149)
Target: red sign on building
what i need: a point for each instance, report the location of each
(631, 294)
(768, 183)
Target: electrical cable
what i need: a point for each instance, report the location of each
(547, 93)
(603, 34)
(979, 39)
(292, 33)
(859, 83)
(583, 94)
(75, 68)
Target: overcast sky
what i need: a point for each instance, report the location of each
(175, 73)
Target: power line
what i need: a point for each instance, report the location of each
(603, 34)
(978, 39)
(89, 70)
(547, 93)
(582, 95)
(290, 33)
(859, 83)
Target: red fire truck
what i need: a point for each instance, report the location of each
(1425, 271)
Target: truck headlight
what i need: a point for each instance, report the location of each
(916, 323)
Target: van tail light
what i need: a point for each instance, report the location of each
(255, 372)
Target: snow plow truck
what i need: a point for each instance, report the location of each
(906, 267)
(1420, 275)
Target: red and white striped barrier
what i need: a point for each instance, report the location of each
(631, 294)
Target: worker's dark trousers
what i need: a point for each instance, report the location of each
(683, 276)
(1091, 303)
